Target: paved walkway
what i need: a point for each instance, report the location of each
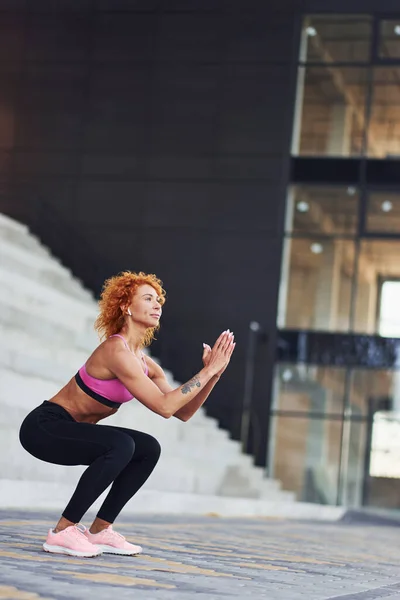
(211, 558)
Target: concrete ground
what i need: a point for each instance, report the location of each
(208, 557)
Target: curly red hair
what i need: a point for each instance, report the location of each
(117, 293)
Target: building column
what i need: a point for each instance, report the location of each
(339, 138)
(365, 317)
(298, 105)
(285, 265)
(328, 286)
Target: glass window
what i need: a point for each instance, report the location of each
(306, 388)
(378, 260)
(384, 124)
(335, 431)
(385, 445)
(330, 111)
(371, 390)
(316, 284)
(389, 39)
(324, 210)
(305, 456)
(383, 212)
(383, 470)
(336, 38)
(389, 315)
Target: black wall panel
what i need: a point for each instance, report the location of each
(161, 130)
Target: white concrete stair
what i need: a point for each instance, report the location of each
(54, 496)
(46, 334)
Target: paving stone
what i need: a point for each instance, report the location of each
(210, 558)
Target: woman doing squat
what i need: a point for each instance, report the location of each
(64, 430)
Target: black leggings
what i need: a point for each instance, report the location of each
(114, 454)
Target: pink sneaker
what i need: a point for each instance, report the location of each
(111, 542)
(72, 541)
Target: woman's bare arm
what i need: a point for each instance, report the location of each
(158, 376)
(187, 411)
(129, 371)
(191, 408)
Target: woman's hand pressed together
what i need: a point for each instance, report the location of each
(228, 338)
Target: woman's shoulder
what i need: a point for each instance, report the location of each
(107, 348)
(155, 370)
(113, 342)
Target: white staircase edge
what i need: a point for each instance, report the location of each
(11, 223)
(40, 496)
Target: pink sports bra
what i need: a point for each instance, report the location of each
(110, 392)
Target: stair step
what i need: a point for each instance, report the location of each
(54, 496)
(24, 240)
(42, 326)
(21, 343)
(10, 224)
(174, 473)
(40, 269)
(45, 295)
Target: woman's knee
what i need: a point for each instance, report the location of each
(145, 446)
(123, 447)
(153, 448)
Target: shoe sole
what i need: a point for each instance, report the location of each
(69, 551)
(120, 551)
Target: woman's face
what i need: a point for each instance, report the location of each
(145, 306)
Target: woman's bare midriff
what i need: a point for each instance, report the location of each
(80, 406)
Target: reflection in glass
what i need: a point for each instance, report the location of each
(336, 38)
(370, 393)
(384, 124)
(305, 455)
(330, 111)
(316, 284)
(378, 260)
(371, 390)
(383, 212)
(354, 446)
(325, 210)
(389, 39)
(305, 388)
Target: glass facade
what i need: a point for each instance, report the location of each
(331, 111)
(335, 415)
(389, 39)
(383, 212)
(347, 100)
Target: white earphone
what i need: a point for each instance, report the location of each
(129, 312)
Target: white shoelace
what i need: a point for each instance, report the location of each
(78, 531)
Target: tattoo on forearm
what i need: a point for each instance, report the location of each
(187, 387)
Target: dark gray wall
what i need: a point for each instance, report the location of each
(162, 129)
